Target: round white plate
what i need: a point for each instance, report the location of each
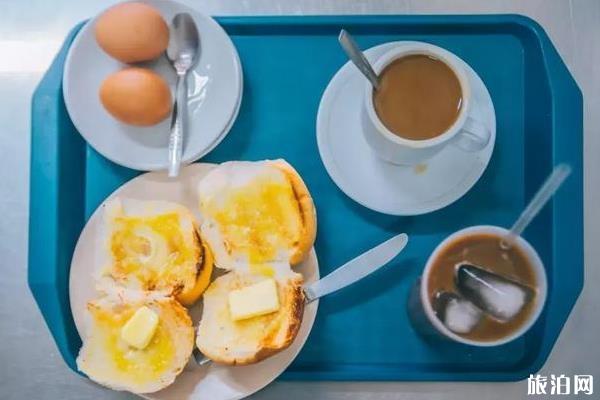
(214, 88)
(214, 382)
(382, 186)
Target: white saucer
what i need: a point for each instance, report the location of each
(215, 89)
(382, 186)
(212, 381)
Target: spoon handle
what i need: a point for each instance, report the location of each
(357, 57)
(178, 126)
(550, 186)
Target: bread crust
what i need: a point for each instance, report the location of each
(296, 314)
(173, 315)
(307, 210)
(296, 310)
(276, 339)
(205, 268)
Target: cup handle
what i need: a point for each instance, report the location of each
(474, 136)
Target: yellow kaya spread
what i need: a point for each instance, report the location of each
(140, 365)
(153, 249)
(260, 220)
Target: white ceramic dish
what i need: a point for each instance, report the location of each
(383, 186)
(214, 382)
(215, 89)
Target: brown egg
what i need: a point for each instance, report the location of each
(132, 32)
(136, 96)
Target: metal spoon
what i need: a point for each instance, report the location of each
(182, 52)
(358, 58)
(545, 193)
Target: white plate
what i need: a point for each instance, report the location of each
(214, 87)
(382, 186)
(214, 382)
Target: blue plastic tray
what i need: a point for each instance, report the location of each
(362, 333)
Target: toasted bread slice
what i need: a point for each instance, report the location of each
(307, 211)
(256, 213)
(107, 359)
(231, 342)
(154, 246)
(258, 218)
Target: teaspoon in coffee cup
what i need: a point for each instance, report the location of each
(358, 58)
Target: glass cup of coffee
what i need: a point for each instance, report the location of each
(511, 282)
(423, 104)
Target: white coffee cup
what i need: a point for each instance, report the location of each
(420, 302)
(467, 133)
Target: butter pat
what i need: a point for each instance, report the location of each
(253, 301)
(140, 328)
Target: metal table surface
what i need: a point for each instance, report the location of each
(30, 34)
